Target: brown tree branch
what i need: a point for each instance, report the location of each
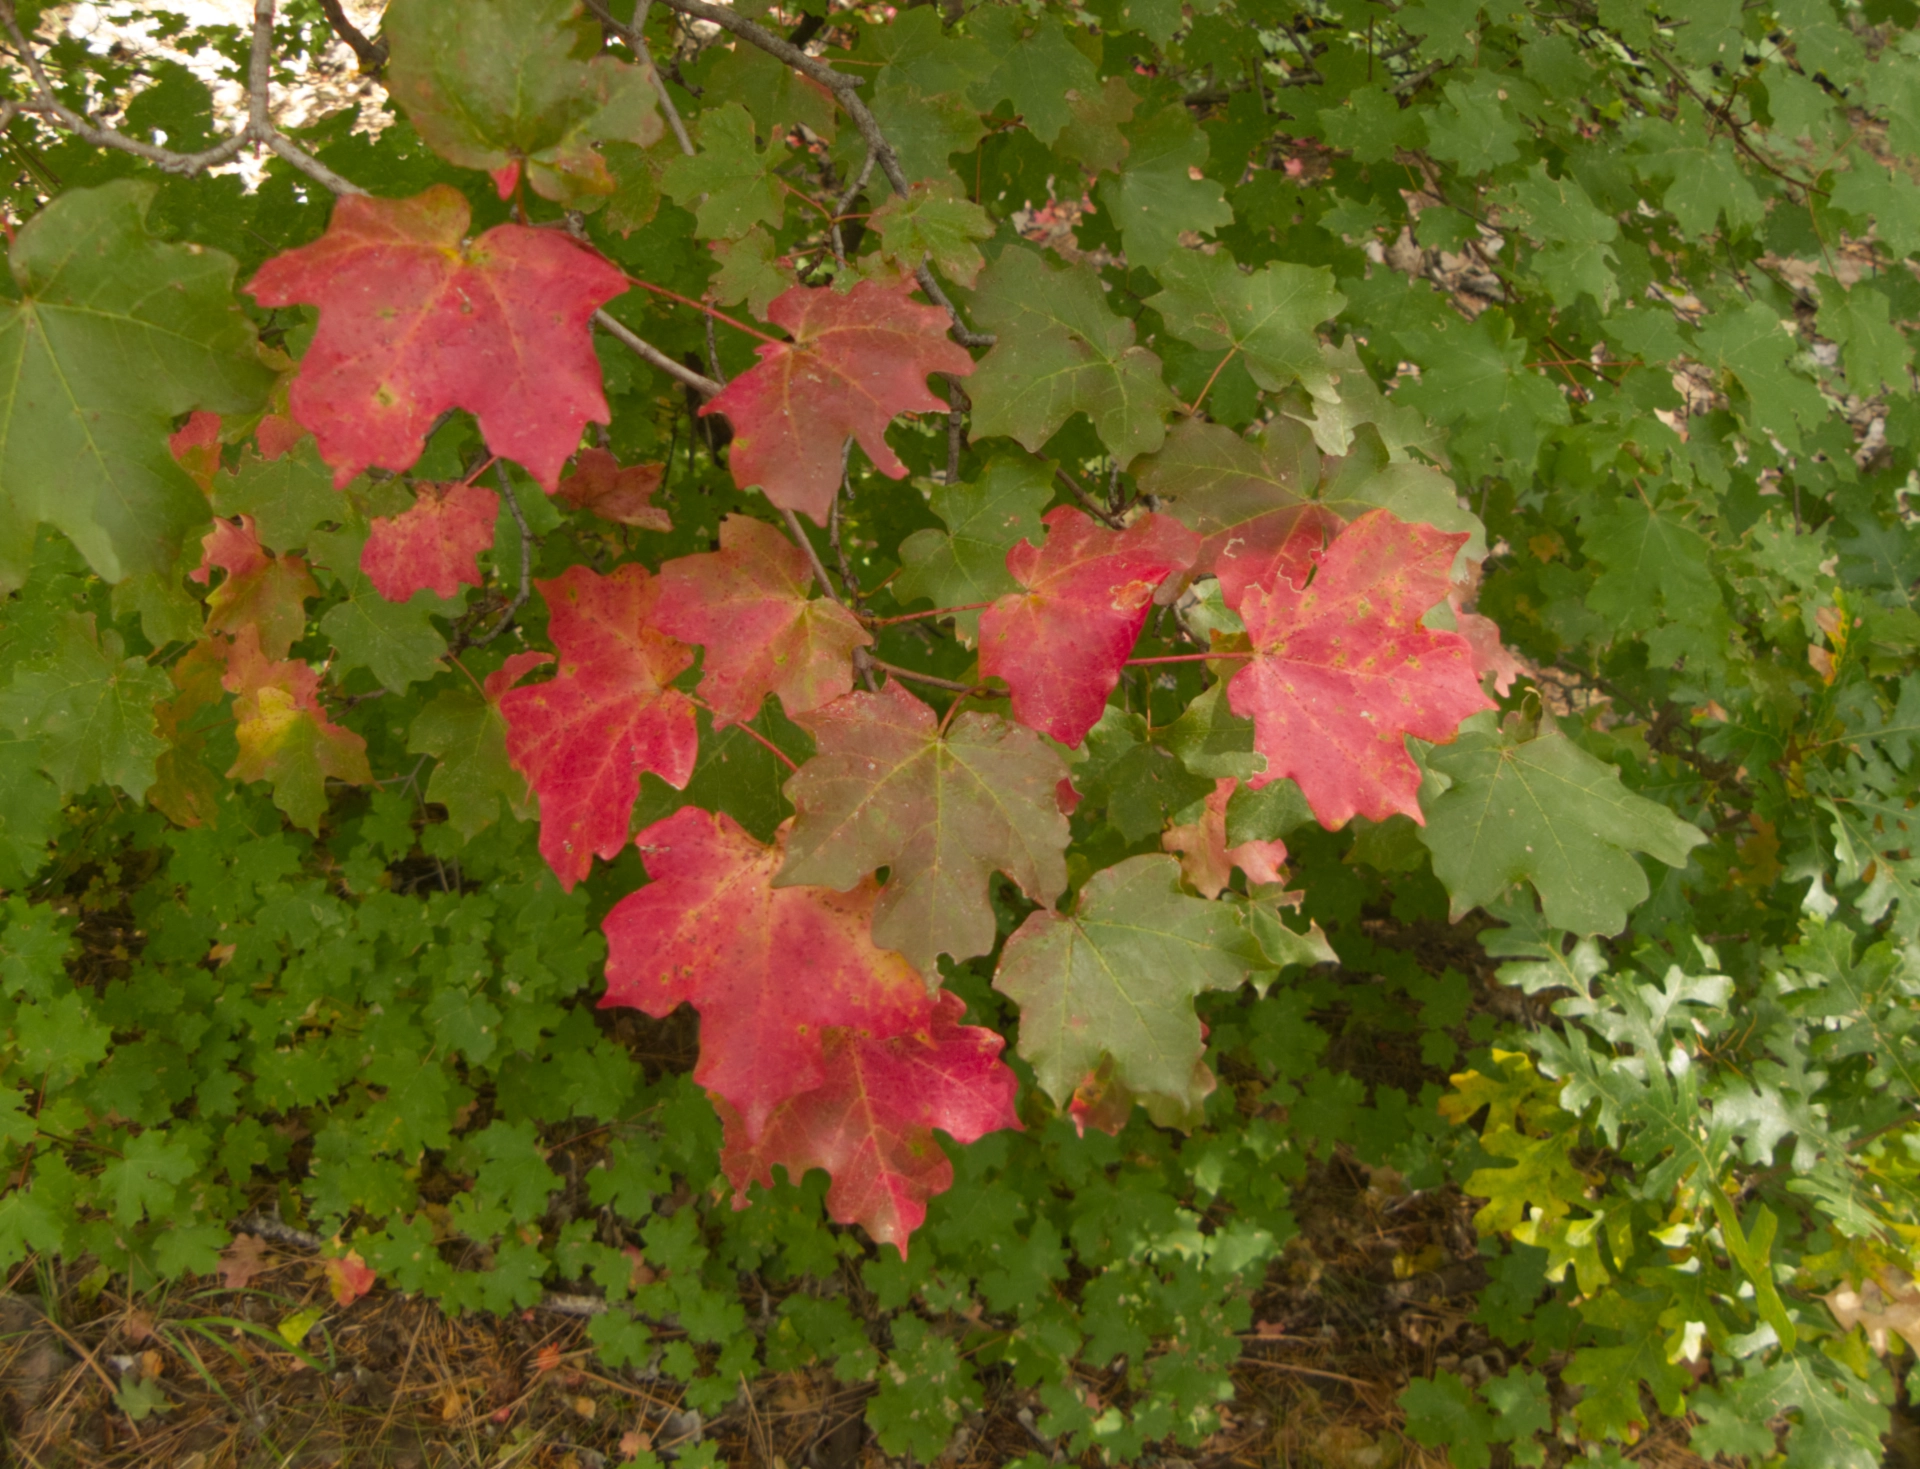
(634, 36)
(372, 54)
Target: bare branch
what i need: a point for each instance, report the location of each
(654, 357)
(635, 37)
(372, 54)
(799, 534)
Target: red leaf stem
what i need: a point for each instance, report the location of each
(702, 306)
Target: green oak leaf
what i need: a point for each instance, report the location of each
(1545, 810)
(967, 562)
(492, 83)
(396, 640)
(1037, 69)
(467, 736)
(1062, 351)
(1268, 316)
(738, 182)
(1156, 199)
(934, 225)
(111, 335)
(91, 709)
(1117, 977)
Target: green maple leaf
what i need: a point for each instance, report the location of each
(1876, 352)
(635, 199)
(1269, 316)
(1545, 810)
(142, 1180)
(1441, 1410)
(935, 225)
(396, 640)
(1755, 346)
(1158, 20)
(1062, 351)
(1871, 195)
(1140, 782)
(1474, 377)
(91, 709)
(1654, 561)
(1370, 478)
(288, 497)
(751, 270)
(1038, 68)
(490, 83)
(1574, 257)
(1708, 184)
(920, 98)
(29, 811)
(1371, 124)
(1117, 977)
(110, 335)
(468, 738)
(1212, 741)
(58, 1038)
(779, 98)
(1155, 199)
(1473, 128)
(967, 562)
(738, 180)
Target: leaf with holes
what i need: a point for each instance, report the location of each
(1343, 671)
(435, 545)
(748, 605)
(495, 84)
(870, 1124)
(266, 591)
(942, 811)
(583, 738)
(1061, 643)
(1207, 862)
(415, 319)
(711, 930)
(856, 360)
(286, 738)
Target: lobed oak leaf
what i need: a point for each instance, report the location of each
(259, 590)
(1343, 671)
(854, 362)
(1116, 979)
(583, 738)
(433, 546)
(1061, 644)
(1205, 858)
(1245, 499)
(747, 604)
(285, 736)
(600, 485)
(415, 320)
(944, 812)
(870, 1124)
(196, 447)
(772, 970)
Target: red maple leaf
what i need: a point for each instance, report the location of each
(748, 604)
(601, 486)
(1264, 551)
(283, 731)
(349, 1277)
(1061, 644)
(770, 970)
(870, 1125)
(414, 320)
(1343, 671)
(1206, 859)
(196, 448)
(855, 361)
(583, 738)
(434, 546)
(260, 590)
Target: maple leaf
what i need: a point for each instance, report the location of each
(89, 709)
(196, 448)
(434, 545)
(1061, 644)
(870, 1124)
(414, 320)
(933, 224)
(729, 184)
(240, 1261)
(348, 1277)
(1343, 671)
(266, 592)
(967, 563)
(712, 930)
(1247, 501)
(1205, 857)
(184, 787)
(285, 736)
(943, 812)
(600, 485)
(1268, 316)
(491, 84)
(583, 738)
(1117, 977)
(855, 361)
(467, 734)
(747, 604)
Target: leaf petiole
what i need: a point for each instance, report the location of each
(710, 311)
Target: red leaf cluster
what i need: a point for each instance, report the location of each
(435, 546)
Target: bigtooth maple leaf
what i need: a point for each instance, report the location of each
(583, 738)
(1343, 671)
(870, 1125)
(1206, 859)
(284, 734)
(748, 605)
(1061, 644)
(415, 319)
(196, 448)
(434, 546)
(855, 361)
(259, 590)
(771, 970)
(601, 485)
(944, 812)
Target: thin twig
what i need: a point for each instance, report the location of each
(1185, 658)
(372, 54)
(799, 534)
(526, 559)
(634, 34)
(1088, 503)
(747, 729)
(713, 355)
(913, 676)
(958, 405)
(847, 578)
(936, 612)
(654, 357)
